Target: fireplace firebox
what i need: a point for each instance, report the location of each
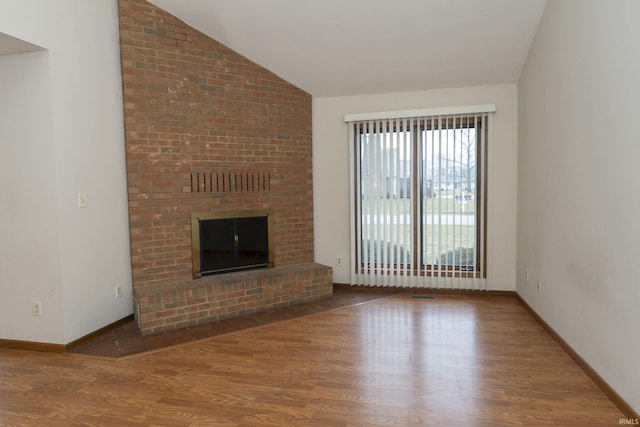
(231, 241)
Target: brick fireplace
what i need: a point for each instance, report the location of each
(207, 130)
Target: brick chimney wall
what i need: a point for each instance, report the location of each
(199, 116)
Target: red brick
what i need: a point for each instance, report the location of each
(192, 104)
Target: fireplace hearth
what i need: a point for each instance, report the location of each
(231, 241)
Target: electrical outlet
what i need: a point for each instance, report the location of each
(36, 307)
(526, 274)
(339, 260)
(539, 287)
(82, 200)
(119, 292)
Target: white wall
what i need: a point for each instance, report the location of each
(578, 198)
(29, 246)
(87, 156)
(331, 171)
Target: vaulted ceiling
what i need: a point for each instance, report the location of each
(352, 47)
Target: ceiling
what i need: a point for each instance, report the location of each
(353, 47)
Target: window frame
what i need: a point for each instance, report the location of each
(418, 266)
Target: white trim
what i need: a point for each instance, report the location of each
(489, 260)
(354, 188)
(424, 112)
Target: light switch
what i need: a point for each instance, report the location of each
(82, 200)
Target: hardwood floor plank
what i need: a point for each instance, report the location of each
(454, 360)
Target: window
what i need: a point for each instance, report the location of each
(419, 200)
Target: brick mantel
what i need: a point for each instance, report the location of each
(194, 108)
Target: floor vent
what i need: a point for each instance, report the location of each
(422, 297)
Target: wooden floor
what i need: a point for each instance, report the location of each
(397, 361)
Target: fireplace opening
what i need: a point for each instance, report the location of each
(231, 241)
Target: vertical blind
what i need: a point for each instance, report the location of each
(419, 197)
